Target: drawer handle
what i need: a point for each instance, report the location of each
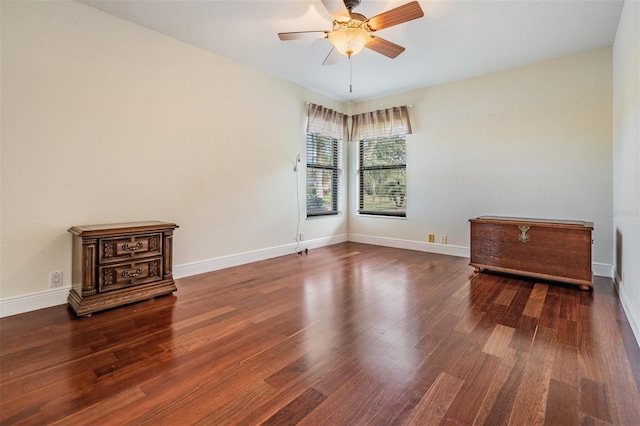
(523, 236)
(132, 248)
(127, 274)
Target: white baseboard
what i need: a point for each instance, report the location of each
(47, 298)
(602, 269)
(599, 269)
(33, 301)
(201, 267)
(629, 309)
(447, 249)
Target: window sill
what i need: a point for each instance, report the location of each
(324, 216)
(381, 216)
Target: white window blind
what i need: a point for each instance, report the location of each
(383, 177)
(382, 162)
(325, 129)
(323, 175)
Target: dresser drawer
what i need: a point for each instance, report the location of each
(128, 274)
(129, 247)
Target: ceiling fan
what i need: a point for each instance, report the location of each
(352, 31)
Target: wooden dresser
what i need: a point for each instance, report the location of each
(120, 263)
(557, 250)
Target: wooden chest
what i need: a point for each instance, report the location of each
(550, 249)
(120, 263)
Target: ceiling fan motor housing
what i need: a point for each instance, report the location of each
(351, 4)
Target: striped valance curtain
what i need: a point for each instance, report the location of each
(384, 123)
(326, 122)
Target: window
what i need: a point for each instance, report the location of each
(382, 176)
(382, 185)
(322, 175)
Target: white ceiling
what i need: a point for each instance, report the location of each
(454, 40)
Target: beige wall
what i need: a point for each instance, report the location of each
(104, 121)
(534, 141)
(626, 161)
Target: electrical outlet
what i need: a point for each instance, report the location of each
(443, 239)
(432, 238)
(55, 279)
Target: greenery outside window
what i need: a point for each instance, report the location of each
(323, 167)
(382, 176)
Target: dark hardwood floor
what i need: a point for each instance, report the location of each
(350, 334)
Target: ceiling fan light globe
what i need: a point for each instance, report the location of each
(349, 41)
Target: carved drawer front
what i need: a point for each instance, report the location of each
(121, 275)
(130, 247)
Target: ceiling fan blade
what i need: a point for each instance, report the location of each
(399, 15)
(384, 47)
(333, 57)
(299, 35)
(337, 9)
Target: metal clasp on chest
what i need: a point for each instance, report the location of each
(523, 236)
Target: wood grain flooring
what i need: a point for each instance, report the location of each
(350, 334)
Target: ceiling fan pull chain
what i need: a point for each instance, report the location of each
(350, 76)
